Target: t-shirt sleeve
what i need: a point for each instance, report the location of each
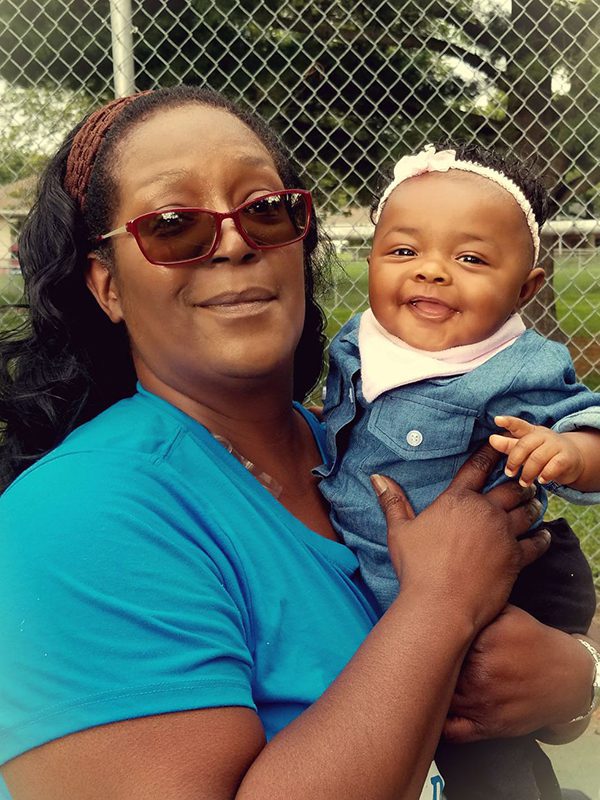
(116, 601)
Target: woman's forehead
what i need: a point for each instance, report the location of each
(174, 131)
(173, 143)
(157, 176)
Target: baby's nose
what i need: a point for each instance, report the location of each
(432, 270)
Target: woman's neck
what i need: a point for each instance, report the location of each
(238, 410)
(260, 423)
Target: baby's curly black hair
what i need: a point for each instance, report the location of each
(521, 171)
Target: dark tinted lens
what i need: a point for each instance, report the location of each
(275, 219)
(170, 236)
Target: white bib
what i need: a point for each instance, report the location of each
(387, 362)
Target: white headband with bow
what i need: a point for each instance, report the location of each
(428, 160)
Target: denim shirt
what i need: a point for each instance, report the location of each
(421, 433)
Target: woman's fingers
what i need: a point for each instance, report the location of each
(510, 495)
(523, 517)
(398, 514)
(392, 499)
(476, 470)
(460, 529)
(463, 730)
(534, 546)
(504, 684)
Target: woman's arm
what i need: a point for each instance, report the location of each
(373, 732)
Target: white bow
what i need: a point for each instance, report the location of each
(428, 160)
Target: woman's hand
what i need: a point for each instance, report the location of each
(463, 548)
(519, 676)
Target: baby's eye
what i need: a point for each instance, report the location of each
(469, 258)
(403, 251)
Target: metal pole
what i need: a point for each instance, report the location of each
(122, 47)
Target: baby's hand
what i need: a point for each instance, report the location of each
(538, 452)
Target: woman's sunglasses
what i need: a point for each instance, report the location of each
(184, 235)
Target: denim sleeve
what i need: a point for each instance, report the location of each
(545, 391)
(544, 388)
(339, 406)
(587, 418)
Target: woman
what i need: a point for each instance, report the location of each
(173, 630)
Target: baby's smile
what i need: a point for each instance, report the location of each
(431, 308)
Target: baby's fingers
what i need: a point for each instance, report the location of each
(536, 462)
(516, 426)
(558, 468)
(520, 453)
(524, 439)
(503, 444)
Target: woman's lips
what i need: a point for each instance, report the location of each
(248, 301)
(431, 309)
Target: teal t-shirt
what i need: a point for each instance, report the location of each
(144, 570)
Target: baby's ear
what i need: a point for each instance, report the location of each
(531, 287)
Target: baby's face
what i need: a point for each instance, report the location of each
(451, 260)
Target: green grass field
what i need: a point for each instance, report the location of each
(578, 306)
(10, 292)
(577, 286)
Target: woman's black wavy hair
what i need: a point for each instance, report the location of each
(67, 362)
(521, 171)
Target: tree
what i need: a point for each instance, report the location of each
(540, 63)
(33, 121)
(351, 85)
(332, 79)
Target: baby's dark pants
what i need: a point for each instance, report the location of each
(558, 590)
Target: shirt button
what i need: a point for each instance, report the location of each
(414, 438)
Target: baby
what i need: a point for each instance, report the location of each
(436, 367)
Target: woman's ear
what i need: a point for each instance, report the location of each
(531, 287)
(102, 284)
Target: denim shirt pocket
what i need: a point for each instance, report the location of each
(418, 427)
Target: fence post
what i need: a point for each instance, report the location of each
(122, 47)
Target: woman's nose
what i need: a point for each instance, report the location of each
(232, 247)
(432, 270)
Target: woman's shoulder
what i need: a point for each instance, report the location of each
(111, 471)
(132, 431)
(116, 485)
(134, 424)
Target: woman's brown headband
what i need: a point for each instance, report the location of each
(85, 146)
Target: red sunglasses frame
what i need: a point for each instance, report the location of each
(131, 226)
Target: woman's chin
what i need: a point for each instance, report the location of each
(254, 364)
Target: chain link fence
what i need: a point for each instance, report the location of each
(350, 87)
